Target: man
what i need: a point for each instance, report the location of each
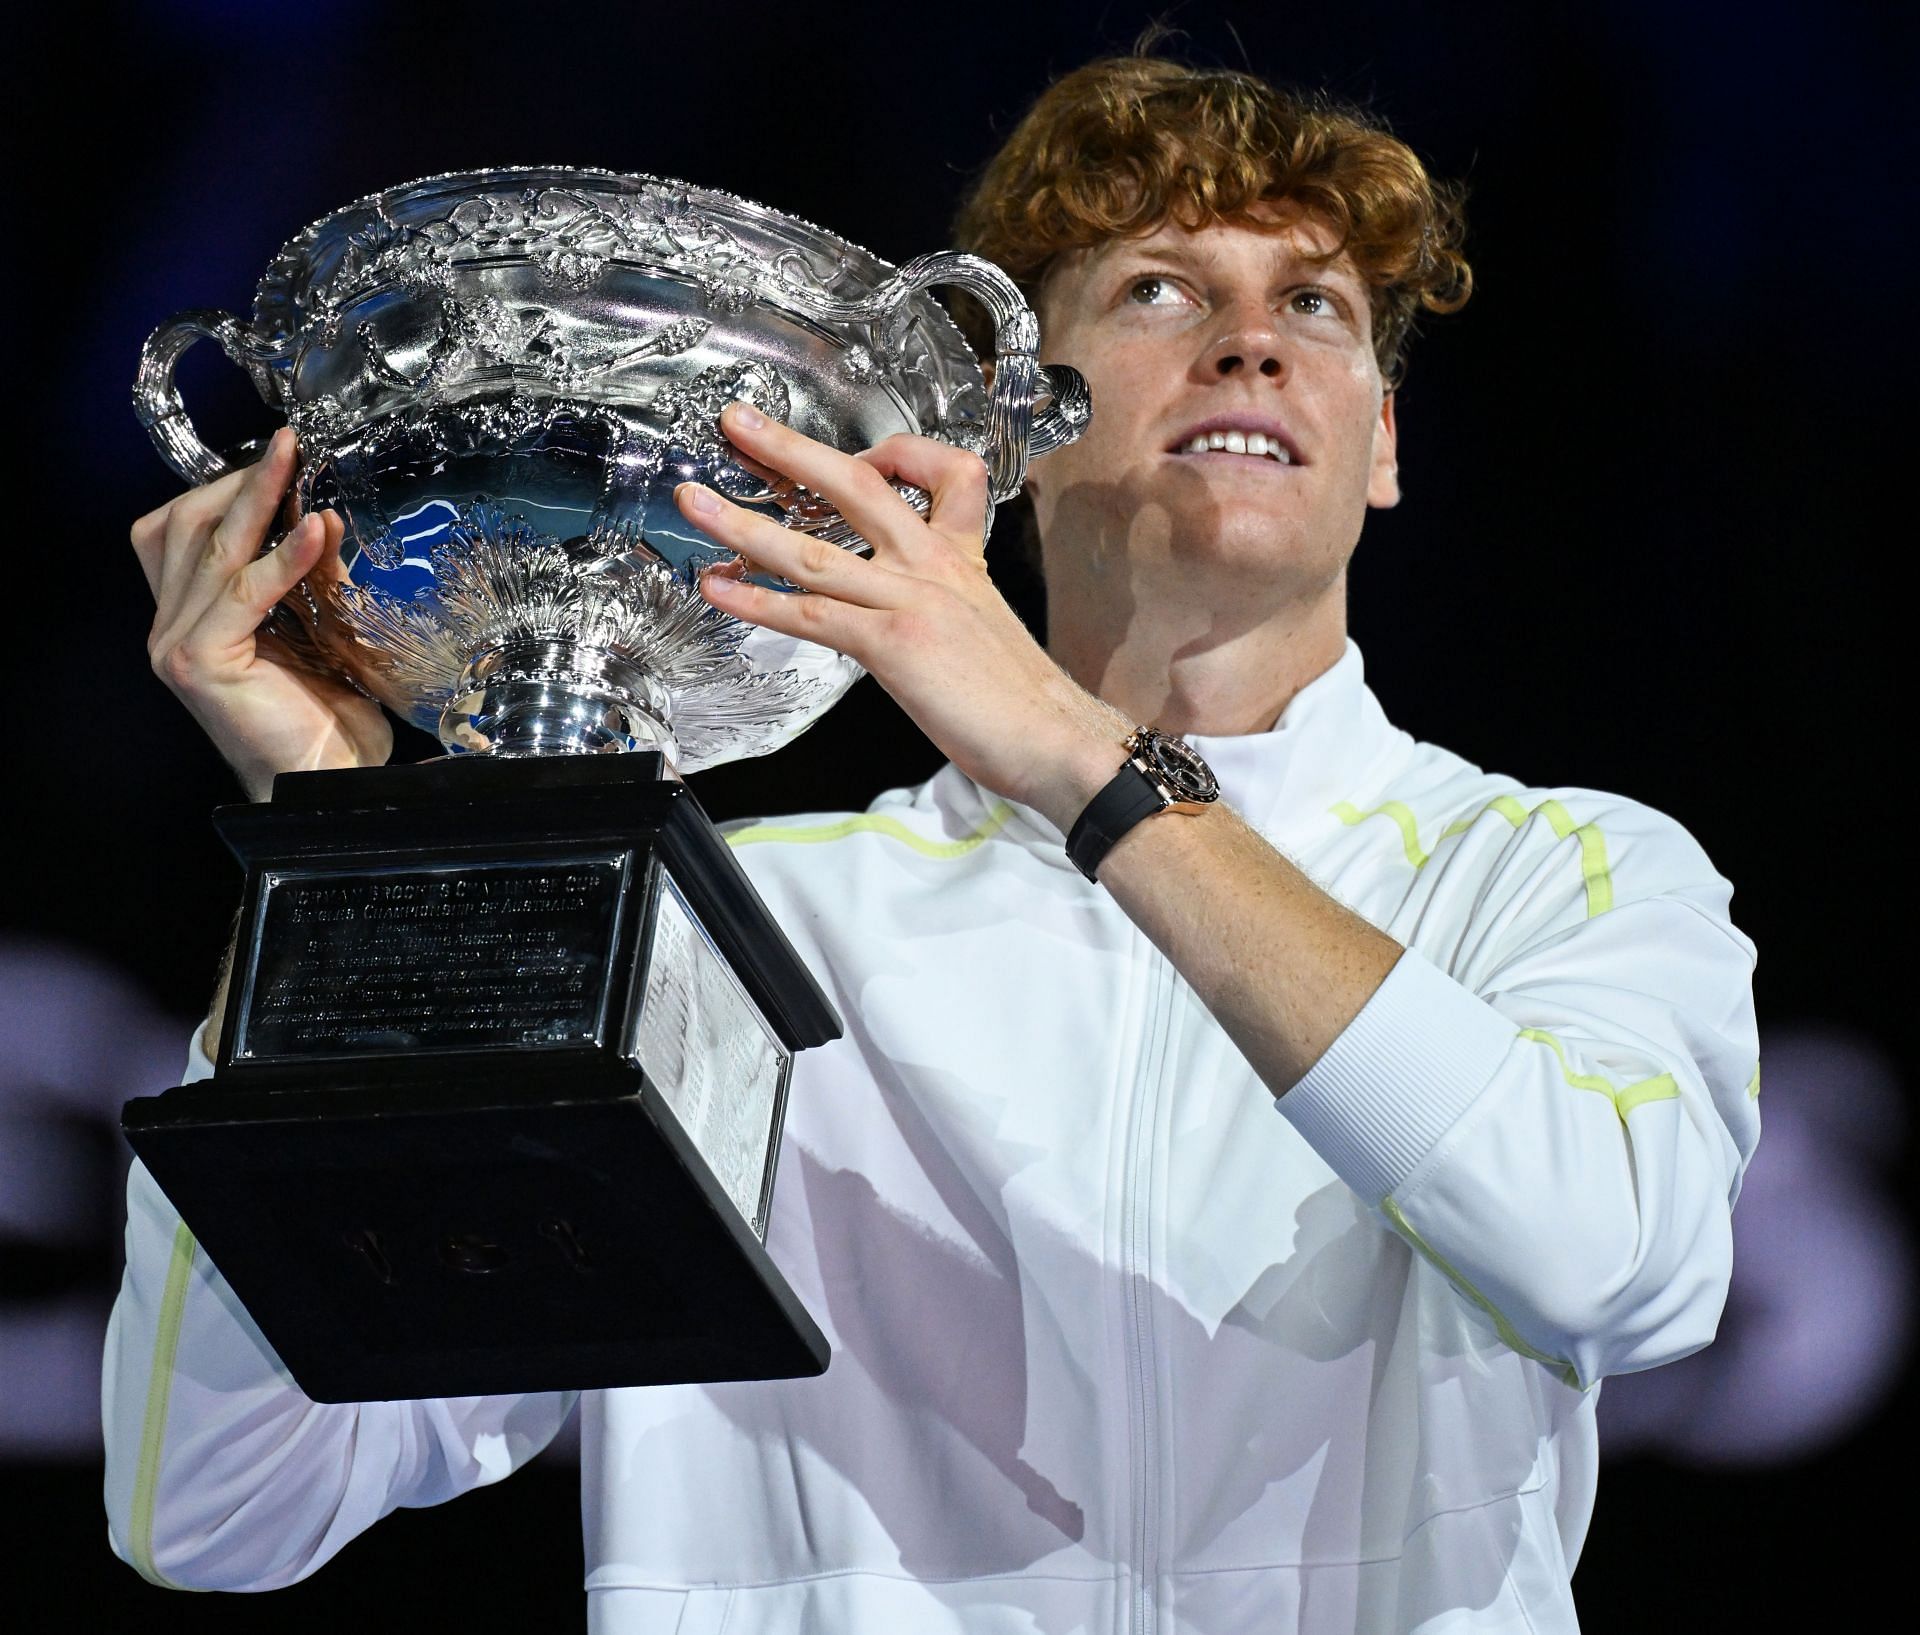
(1115, 1347)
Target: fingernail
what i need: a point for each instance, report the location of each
(703, 500)
(746, 416)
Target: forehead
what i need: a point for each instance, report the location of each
(1279, 240)
(1276, 233)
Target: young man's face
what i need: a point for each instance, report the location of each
(1231, 330)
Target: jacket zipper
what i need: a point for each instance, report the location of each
(1136, 1231)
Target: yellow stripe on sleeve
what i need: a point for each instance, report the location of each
(1402, 815)
(1509, 1336)
(153, 1428)
(1595, 873)
(1661, 1087)
(875, 823)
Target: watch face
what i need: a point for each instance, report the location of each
(1186, 776)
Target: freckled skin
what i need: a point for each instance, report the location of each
(1173, 327)
(1143, 548)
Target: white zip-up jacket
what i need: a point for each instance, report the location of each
(1117, 1345)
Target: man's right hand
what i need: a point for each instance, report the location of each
(211, 589)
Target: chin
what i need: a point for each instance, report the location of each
(1165, 518)
(1250, 543)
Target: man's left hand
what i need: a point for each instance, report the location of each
(920, 614)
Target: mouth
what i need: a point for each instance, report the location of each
(1267, 443)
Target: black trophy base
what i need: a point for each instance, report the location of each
(446, 1243)
(461, 1138)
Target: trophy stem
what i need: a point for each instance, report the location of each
(555, 697)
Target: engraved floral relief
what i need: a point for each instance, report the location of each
(570, 236)
(441, 333)
(860, 366)
(489, 335)
(693, 407)
(500, 582)
(571, 233)
(319, 423)
(573, 268)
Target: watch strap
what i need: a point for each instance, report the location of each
(1128, 797)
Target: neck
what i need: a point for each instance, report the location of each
(1189, 664)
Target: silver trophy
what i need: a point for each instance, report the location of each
(505, 1054)
(498, 378)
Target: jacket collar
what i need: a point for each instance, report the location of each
(1282, 781)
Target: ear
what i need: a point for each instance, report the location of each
(1383, 475)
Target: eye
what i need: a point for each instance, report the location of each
(1154, 292)
(1314, 303)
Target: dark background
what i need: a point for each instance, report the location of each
(1648, 544)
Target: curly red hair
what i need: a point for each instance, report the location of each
(1126, 144)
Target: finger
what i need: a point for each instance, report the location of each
(864, 497)
(801, 558)
(214, 624)
(253, 591)
(190, 519)
(955, 477)
(149, 536)
(237, 536)
(243, 530)
(823, 619)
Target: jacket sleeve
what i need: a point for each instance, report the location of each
(1552, 1097)
(221, 1474)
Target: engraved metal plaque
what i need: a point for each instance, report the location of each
(711, 1054)
(439, 957)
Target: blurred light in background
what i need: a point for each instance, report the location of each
(76, 1040)
(1819, 1319)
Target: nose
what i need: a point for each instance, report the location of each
(1248, 344)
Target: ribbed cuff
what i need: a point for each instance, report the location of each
(1400, 1075)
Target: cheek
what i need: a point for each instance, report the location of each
(1126, 388)
(1116, 388)
(1358, 413)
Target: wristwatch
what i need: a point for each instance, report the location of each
(1161, 774)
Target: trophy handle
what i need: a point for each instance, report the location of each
(1015, 430)
(1065, 414)
(156, 399)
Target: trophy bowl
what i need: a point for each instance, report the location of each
(498, 377)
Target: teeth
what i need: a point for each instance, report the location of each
(1233, 442)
